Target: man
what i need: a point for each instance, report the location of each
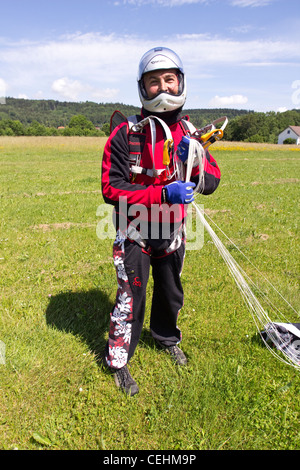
(138, 178)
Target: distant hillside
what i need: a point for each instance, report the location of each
(201, 117)
(44, 117)
(53, 113)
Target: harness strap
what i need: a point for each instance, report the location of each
(138, 170)
(134, 235)
(137, 127)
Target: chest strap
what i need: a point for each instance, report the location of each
(138, 127)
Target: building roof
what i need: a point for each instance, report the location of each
(296, 129)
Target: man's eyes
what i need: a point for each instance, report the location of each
(157, 82)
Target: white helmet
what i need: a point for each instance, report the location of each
(160, 58)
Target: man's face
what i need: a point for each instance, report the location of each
(161, 80)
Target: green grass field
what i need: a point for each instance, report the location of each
(58, 286)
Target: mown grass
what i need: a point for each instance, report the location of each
(58, 286)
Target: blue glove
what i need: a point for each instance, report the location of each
(183, 148)
(180, 192)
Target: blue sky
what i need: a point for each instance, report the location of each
(242, 54)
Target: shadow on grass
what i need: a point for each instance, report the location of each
(84, 314)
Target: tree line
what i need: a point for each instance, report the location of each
(261, 127)
(79, 125)
(51, 117)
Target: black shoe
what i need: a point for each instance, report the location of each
(125, 382)
(177, 355)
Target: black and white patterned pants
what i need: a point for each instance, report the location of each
(132, 265)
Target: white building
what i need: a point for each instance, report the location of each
(291, 132)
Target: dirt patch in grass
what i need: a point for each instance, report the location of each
(215, 211)
(279, 181)
(62, 193)
(229, 145)
(60, 226)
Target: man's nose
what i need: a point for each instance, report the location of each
(163, 86)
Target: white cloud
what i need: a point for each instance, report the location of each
(224, 101)
(179, 3)
(39, 95)
(218, 50)
(78, 54)
(73, 89)
(250, 3)
(101, 67)
(104, 94)
(67, 88)
(162, 3)
(109, 58)
(79, 66)
(242, 29)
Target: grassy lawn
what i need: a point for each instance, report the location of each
(58, 286)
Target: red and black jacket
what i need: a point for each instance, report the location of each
(117, 180)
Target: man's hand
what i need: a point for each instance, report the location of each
(180, 192)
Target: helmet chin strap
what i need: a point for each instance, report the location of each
(169, 117)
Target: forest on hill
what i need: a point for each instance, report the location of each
(51, 117)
